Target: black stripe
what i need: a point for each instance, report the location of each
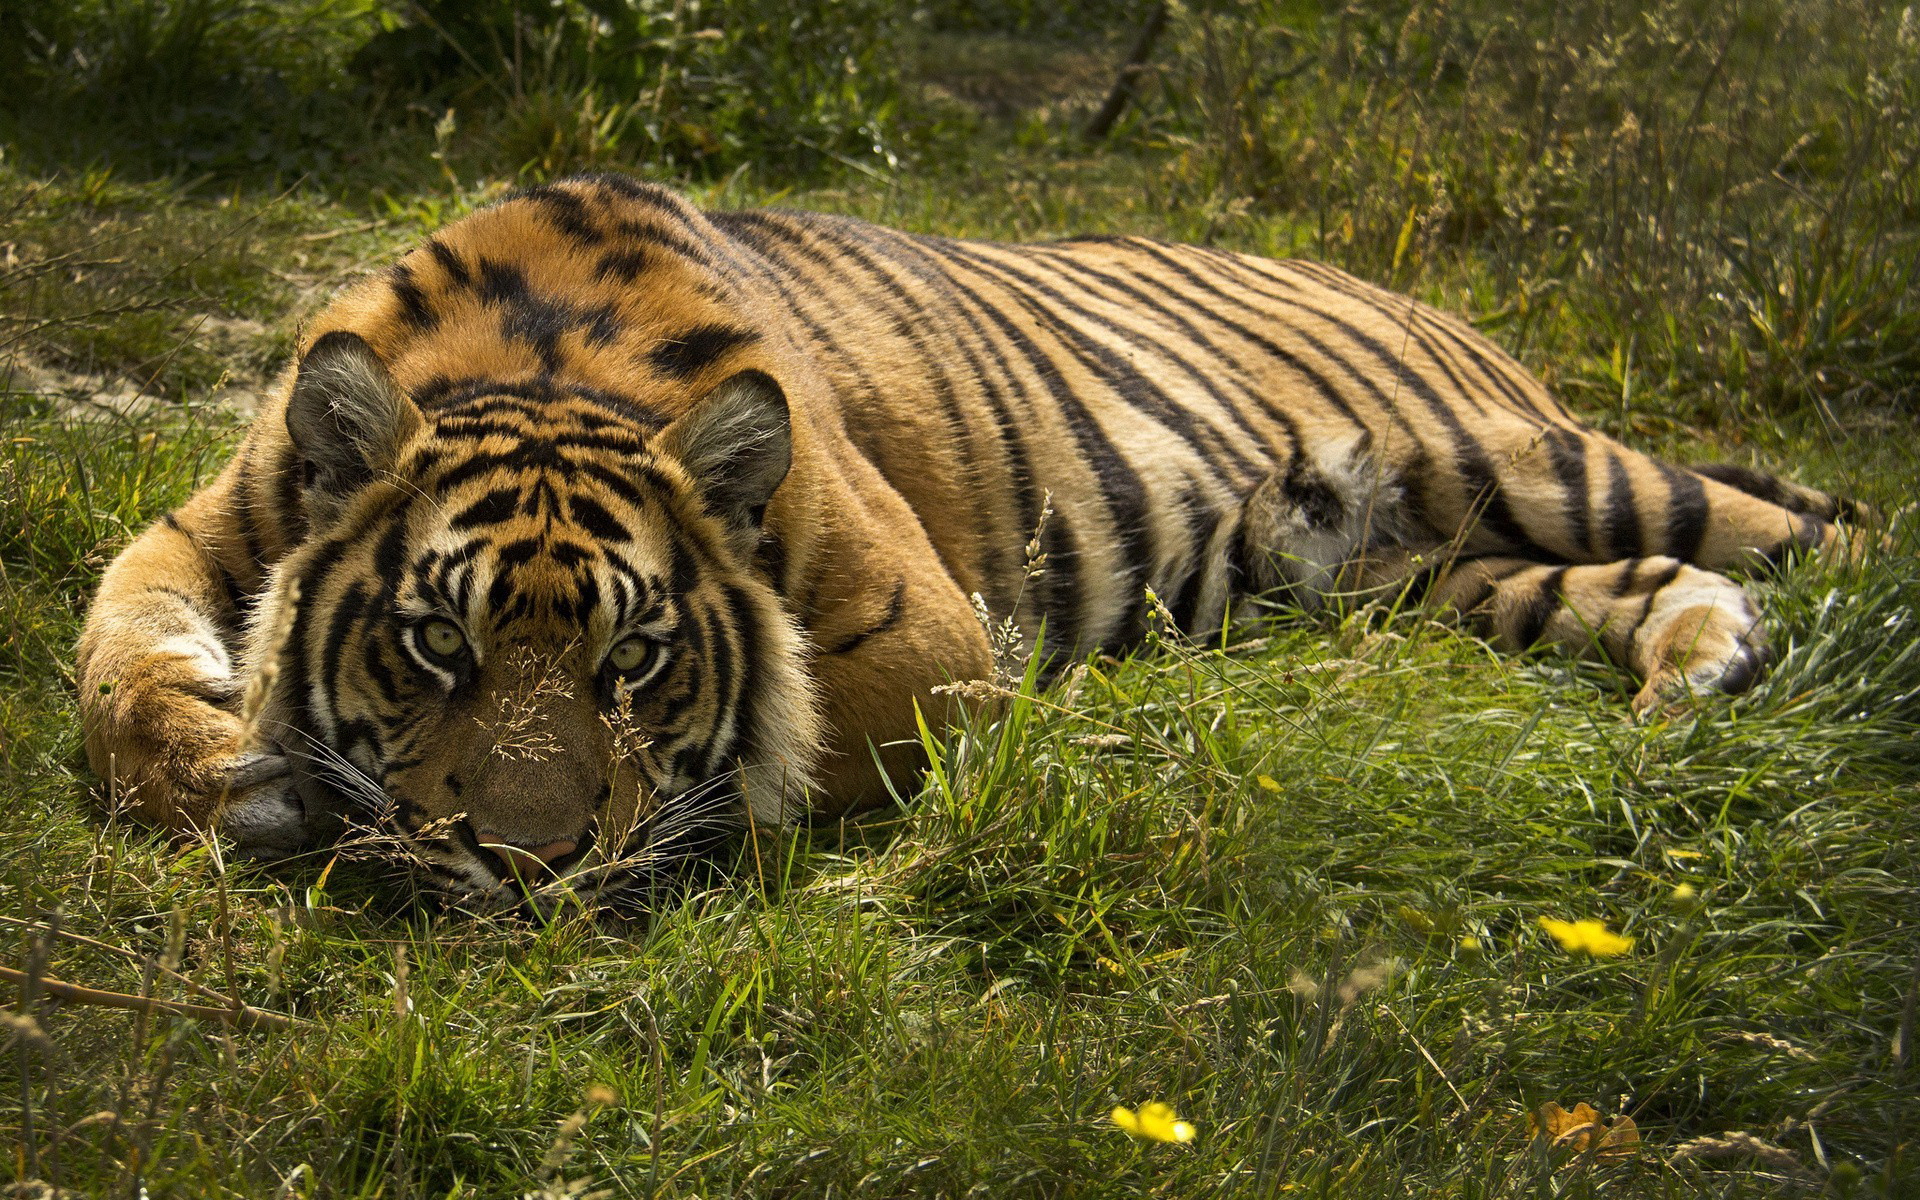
(500, 504)
(627, 481)
(374, 664)
(1203, 522)
(295, 663)
(441, 581)
(1404, 313)
(624, 265)
(652, 235)
(1568, 452)
(1499, 373)
(1687, 511)
(496, 398)
(518, 552)
(687, 354)
(528, 316)
(1621, 512)
(565, 211)
(745, 626)
(1666, 576)
(627, 587)
(389, 555)
(896, 608)
(722, 657)
(1537, 609)
(684, 569)
(591, 516)
(414, 309)
(346, 612)
(585, 599)
(661, 200)
(1629, 570)
(457, 273)
(1321, 385)
(601, 324)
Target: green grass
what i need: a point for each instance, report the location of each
(1241, 880)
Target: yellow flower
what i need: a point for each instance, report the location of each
(1587, 937)
(1156, 1121)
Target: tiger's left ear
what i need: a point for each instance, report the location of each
(738, 445)
(346, 417)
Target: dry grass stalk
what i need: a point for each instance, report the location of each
(553, 1164)
(238, 1015)
(1740, 1144)
(1767, 1041)
(521, 733)
(21, 1027)
(95, 943)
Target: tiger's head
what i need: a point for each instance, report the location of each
(531, 630)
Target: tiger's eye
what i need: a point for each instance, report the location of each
(443, 639)
(630, 655)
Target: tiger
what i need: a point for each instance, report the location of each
(599, 527)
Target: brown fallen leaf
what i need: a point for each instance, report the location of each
(1583, 1134)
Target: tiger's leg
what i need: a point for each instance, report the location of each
(872, 691)
(1678, 628)
(1831, 524)
(160, 688)
(1576, 495)
(883, 645)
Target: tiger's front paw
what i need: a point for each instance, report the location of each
(263, 815)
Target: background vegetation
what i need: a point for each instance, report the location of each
(1290, 887)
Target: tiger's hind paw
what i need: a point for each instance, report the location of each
(1670, 690)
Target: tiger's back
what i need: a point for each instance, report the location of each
(1148, 389)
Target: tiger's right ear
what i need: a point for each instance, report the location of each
(347, 419)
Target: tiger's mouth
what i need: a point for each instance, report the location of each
(691, 840)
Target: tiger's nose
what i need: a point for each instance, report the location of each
(534, 862)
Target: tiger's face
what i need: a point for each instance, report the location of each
(532, 632)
